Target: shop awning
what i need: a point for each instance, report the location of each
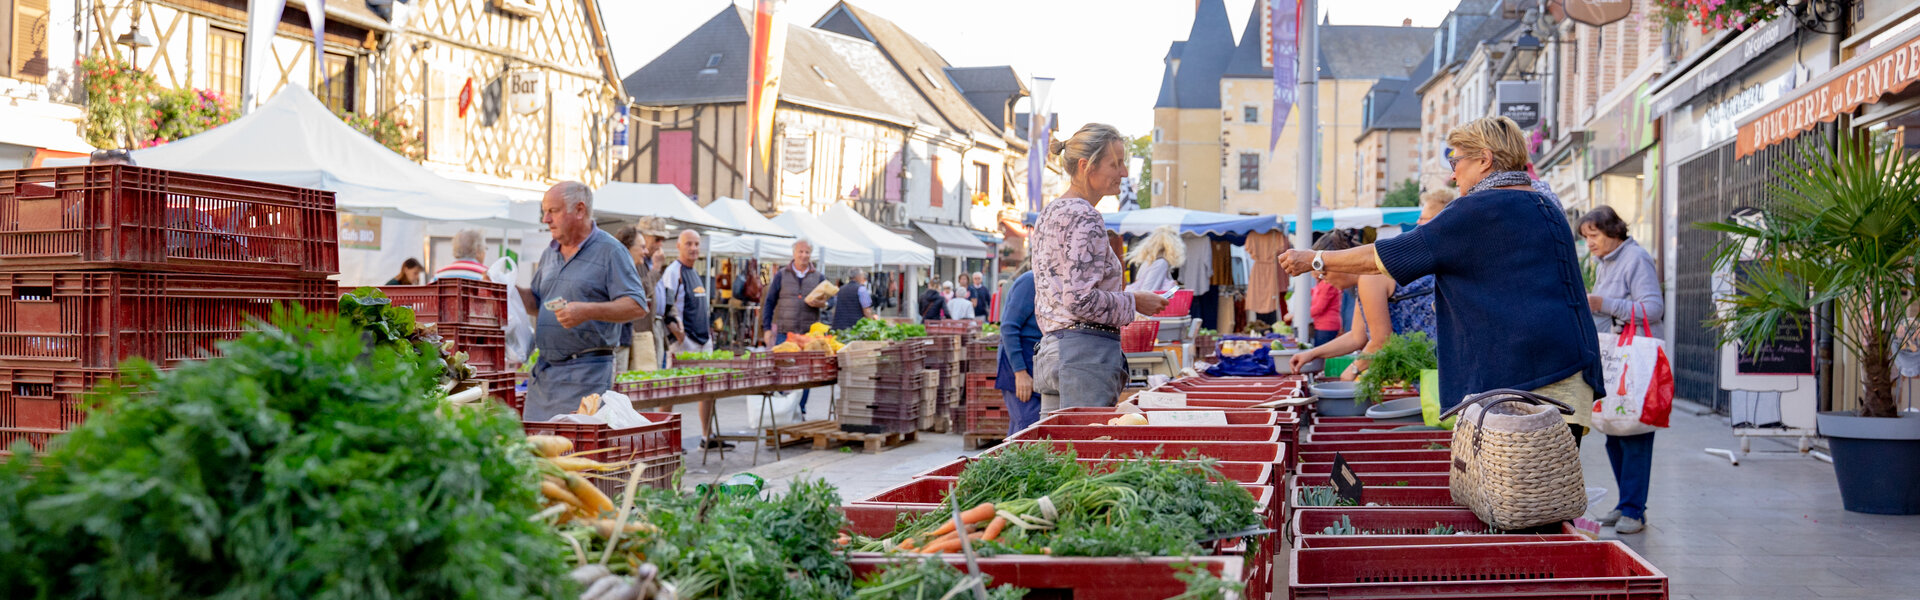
(1190, 222)
(1885, 69)
(954, 241)
(622, 200)
(889, 248)
(829, 247)
(1348, 218)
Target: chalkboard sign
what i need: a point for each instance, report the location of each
(1790, 352)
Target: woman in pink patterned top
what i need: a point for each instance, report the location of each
(1077, 281)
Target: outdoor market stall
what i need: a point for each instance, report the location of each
(889, 250)
(764, 243)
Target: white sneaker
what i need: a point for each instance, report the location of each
(1629, 525)
(1610, 518)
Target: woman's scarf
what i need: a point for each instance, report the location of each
(1501, 179)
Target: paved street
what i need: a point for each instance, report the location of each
(1769, 528)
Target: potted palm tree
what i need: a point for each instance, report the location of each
(1845, 230)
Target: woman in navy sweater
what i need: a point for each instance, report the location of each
(1510, 301)
(1019, 335)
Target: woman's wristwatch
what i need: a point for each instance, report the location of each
(1318, 264)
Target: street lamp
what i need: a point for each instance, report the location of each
(1526, 50)
(133, 38)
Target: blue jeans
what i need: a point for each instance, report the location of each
(1024, 414)
(1320, 338)
(1632, 459)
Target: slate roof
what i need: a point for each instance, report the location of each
(1346, 51)
(991, 90)
(858, 79)
(918, 63)
(1247, 56)
(1391, 104)
(1167, 98)
(1203, 59)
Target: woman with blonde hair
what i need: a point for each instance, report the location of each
(1155, 256)
(1510, 301)
(1078, 299)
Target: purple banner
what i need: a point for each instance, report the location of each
(1039, 133)
(1285, 30)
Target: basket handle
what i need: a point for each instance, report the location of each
(1498, 397)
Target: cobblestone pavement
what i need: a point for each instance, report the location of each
(1771, 527)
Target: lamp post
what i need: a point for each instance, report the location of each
(133, 38)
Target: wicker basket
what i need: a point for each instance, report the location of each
(1514, 461)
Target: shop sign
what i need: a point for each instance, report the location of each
(1591, 12)
(1520, 101)
(1717, 125)
(796, 152)
(359, 232)
(524, 91)
(620, 130)
(1725, 63)
(1861, 81)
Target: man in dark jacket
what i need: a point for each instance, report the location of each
(784, 308)
(853, 303)
(982, 298)
(933, 306)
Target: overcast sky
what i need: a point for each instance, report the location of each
(1103, 54)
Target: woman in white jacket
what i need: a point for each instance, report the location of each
(1155, 257)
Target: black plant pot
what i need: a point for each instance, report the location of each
(1877, 461)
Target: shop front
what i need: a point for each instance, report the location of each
(1707, 181)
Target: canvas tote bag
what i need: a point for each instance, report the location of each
(1514, 461)
(1639, 382)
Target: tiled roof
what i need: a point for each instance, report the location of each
(923, 67)
(1203, 59)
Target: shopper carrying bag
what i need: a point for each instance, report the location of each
(1514, 462)
(1639, 382)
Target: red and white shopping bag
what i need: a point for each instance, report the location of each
(1639, 382)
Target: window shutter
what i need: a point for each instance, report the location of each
(30, 25)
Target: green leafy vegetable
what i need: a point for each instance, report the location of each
(714, 355)
(926, 579)
(878, 330)
(305, 464)
(1202, 584)
(729, 546)
(1397, 363)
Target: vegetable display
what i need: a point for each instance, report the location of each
(639, 376)
(868, 330)
(1141, 506)
(306, 464)
(1397, 363)
(990, 329)
(929, 579)
(392, 327)
(714, 355)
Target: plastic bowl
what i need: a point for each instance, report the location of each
(1337, 390)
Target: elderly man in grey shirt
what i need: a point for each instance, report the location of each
(585, 292)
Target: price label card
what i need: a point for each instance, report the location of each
(1160, 400)
(1187, 417)
(1346, 485)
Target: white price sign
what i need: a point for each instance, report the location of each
(1160, 400)
(1187, 417)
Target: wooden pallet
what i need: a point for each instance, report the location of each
(826, 435)
(972, 441)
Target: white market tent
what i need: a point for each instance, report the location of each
(889, 248)
(829, 247)
(294, 140)
(764, 240)
(622, 200)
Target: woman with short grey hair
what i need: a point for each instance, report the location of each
(1626, 286)
(470, 256)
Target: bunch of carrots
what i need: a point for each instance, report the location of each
(946, 537)
(566, 482)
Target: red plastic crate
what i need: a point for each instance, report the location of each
(1545, 570)
(1382, 480)
(49, 399)
(1191, 405)
(1325, 427)
(1234, 451)
(1390, 496)
(1253, 473)
(1374, 541)
(654, 448)
(500, 387)
(1263, 418)
(121, 217)
(981, 380)
(1139, 336)
(95, 320)
(1197, 433)
(1105, 578)
(927, 493)
(1432, 436)
(452, 302)
(1386, 521)
(1378, 468)
(1377, 456)
(37, 439)
(1306, 447)
(486, 347)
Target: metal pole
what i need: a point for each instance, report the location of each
(1308, 101)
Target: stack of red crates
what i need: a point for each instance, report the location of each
(100, 264)
(471, 314)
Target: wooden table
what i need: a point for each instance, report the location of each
(667, 404)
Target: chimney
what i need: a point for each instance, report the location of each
(1406, 22)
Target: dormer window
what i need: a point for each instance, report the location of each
(931, 79)
(713, 65)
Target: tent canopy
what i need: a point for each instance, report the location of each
(294, 140)
(624, 200)
(955, 241)
(1190, 222)
(1347, 218)
(764, 240)
(889, 248)
(829, 247)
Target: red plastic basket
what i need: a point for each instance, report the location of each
(1079, 577)
(1387, 521)
(1138, 336)
(1179, 305)
(1558, 570)
(927, 493)
(452, 302)
(1374, 541)
(654, 448)
(486, 347)
(1368, 446)
(95, 320)
(1382, 480)
(121, 217)
(1263, 418)
(500, 387)
(1371, 456)
(50, 399)
(1395, 436)
(1234, 451)
(1379, 468)
(1196, 433)
(1250, 473)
